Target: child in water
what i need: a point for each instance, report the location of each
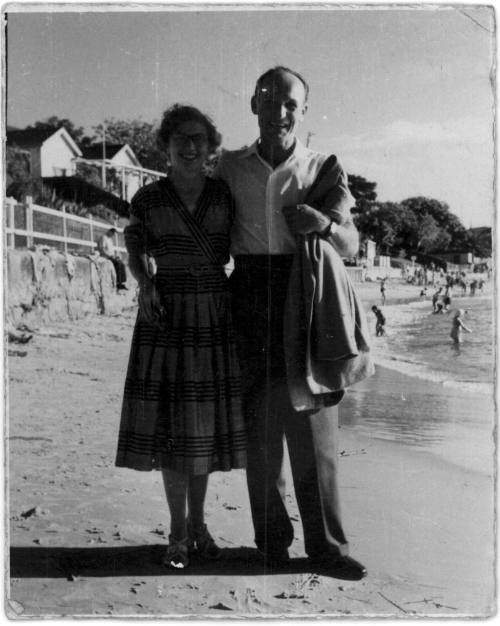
(435, 299)
(457, 326)
(379, 326)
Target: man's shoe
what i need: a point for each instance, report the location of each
(341, 567)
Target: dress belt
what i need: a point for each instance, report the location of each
(263, 261)
(193, 270)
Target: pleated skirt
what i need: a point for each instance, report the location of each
(182, 400)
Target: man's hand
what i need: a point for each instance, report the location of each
(302, 219)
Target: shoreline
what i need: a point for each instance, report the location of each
(400, 311)
(87, 537)
(424, 416)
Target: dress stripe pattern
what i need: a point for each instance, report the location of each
(182, 399)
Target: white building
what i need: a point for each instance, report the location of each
(120, 160)
(51, 153)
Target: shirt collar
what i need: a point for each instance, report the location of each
(247, 152)
(298, 152)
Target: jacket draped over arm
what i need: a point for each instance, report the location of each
(326, 334)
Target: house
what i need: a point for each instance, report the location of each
(121, 164)
(51, 157)
(458, 258)
(79, 176)
(50, 153)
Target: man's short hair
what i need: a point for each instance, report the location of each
(278, 69)
(112, 231)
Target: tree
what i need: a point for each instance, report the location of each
(453, 233)
(428, 236)
(54, 123)
(362, 191)
(385, 223)
(89, 173)
(17, 165)
(481, 241)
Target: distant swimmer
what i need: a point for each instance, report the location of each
(379, 326)
(457, 326)
(423, 292)
(435, 298)
(447, 300)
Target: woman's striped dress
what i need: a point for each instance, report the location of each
(181, 407)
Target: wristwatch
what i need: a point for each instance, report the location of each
(329, 230)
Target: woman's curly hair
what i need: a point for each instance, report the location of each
(177, 114)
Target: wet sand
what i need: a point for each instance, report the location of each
(87, 538)
(454, 425)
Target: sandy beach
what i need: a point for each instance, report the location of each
(87, 538)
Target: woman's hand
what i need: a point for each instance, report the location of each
(302, 219)
(150, 306)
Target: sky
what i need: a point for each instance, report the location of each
(403, 97)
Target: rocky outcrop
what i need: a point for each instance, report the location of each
(45, 285)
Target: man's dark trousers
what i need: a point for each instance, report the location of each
(121, 272)
(259, 286)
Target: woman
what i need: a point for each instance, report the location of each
(181, 410)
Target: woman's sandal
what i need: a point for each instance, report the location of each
(177, 553)
(204, 542)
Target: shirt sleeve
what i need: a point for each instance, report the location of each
(107, 246)
(332, 195)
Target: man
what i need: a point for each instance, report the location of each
(382, 290)
(269, 181)
(107, 249)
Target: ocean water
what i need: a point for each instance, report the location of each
(418, 343)
(427, 393)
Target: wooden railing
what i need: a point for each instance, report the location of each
(355, 274)
(29, 224)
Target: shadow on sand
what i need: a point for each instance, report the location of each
(145, 560)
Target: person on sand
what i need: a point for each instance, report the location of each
(181, 409)
(382, 290)
(439, 308)
(457, 326)
(269, 181)
(380, 323)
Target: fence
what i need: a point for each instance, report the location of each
(28, 224)
(356, 274)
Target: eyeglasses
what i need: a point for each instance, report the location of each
(199, 139)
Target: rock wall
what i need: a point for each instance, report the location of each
(45, 285)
